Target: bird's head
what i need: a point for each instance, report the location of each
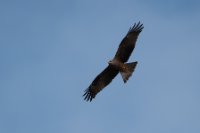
(110, 62)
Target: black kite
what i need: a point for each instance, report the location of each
(117, 64)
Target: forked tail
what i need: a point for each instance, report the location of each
(129, 69)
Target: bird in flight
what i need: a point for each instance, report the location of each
(117, 65)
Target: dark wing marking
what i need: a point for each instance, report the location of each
(128, 43)
(101, 81)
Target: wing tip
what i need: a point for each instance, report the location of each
(88, 95)
(137, 27)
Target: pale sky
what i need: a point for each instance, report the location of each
(50, 51)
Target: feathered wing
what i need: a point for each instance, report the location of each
(128, 43)
(101, 81)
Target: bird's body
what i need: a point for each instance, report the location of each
(117, 64)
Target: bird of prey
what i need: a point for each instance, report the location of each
(117, 64)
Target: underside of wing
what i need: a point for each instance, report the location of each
(101, 81)
(128, 43)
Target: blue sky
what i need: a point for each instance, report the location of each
(50, 51)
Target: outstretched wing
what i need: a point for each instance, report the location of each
(101, 81)
(128, 43)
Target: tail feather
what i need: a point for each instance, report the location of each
(129, 69)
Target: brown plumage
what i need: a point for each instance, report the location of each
(117, 64)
